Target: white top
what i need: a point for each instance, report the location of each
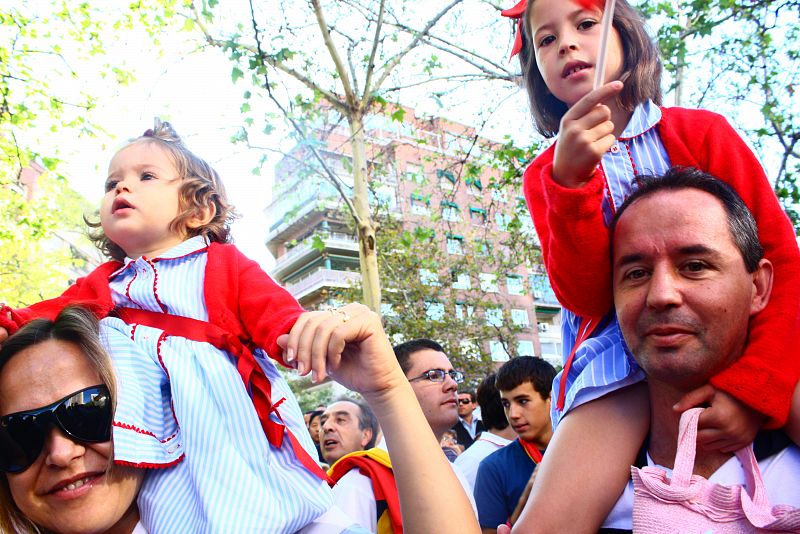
(780, 472)
(469, 460)
(354, 495)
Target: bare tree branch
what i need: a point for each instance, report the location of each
(373, 52)
(349, 95)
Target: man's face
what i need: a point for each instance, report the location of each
(528, 413)
(682, 292)
(465, 405)
(339, 431)
(437, 399)
(313, 428)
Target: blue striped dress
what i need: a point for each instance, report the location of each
(603, 364)
(184, 410)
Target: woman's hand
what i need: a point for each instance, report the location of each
(585, 134)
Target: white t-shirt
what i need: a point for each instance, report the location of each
(469, 460)
(354, 495)
(781, 473)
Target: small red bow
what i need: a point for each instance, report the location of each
(518, 11)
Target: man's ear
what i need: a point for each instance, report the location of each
(762, 286)
(366, 436)
(202, 217)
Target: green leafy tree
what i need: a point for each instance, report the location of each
(351, 56)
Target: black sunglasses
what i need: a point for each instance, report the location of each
(83, 416)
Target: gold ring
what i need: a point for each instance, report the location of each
(344, 315)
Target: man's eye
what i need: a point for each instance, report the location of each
(635, 274)
(695, 266)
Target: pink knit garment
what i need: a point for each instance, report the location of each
(690, 504)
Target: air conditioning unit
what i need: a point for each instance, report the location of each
(544, 328)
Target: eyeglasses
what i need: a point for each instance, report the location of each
(465, 401)
(437, 375)
(84, 416)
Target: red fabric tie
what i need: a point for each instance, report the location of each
(585, 330)
(253, 376)
(533, 451)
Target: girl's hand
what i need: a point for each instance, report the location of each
(349, 344)
(3, 335)
(585, 134)
(727, 425)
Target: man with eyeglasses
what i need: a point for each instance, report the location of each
(468, 425)
(435, 384)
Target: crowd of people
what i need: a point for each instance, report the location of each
(146, 398)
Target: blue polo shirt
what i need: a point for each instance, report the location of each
(501, 479)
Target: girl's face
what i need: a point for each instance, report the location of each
(142, 199)
(72, 486)
(566, 41)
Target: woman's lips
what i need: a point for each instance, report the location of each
(75, 487)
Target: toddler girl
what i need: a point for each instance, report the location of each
(190, 321)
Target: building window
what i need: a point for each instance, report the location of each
(460, 280)
(494, 316)
(540, 286)
(499, 195)
(455, 244)
(428, 277)
(464, 312)
(488, 282)
(482, 247)
(515, 285)
(520, 317)
(420, 204)
(450, 211)
(447, 180)
(477, 216)
(498, 351)
(525, 348)
(502, 220)
(474, 186)
(434, 311)
(470, 349)
(414, 173)
(385, 197)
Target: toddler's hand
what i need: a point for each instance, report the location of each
(585, 133)
(3, 335)
(727, 425)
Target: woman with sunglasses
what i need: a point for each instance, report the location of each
(56, 406)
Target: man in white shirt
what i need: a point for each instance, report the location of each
(435, 383)
(498, 435)
(689, 273)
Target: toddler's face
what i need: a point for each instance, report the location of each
(141, 200)
(566, 40)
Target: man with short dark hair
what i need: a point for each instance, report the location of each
(689, 275)
(346, 426)
(524, 384)
(468, 425)
(497, 435)
(434, 382)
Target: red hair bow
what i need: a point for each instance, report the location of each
(518, 11)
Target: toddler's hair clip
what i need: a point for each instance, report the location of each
(149, 133)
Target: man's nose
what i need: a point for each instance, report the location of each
(664, 289)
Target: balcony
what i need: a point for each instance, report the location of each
(304, 252)
(317, 280)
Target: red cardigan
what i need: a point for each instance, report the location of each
(576, 250)
(241, 298)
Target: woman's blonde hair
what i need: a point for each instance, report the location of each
(74, 325)
(201, 190)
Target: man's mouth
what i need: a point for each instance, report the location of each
(574, 66)
(330, 443)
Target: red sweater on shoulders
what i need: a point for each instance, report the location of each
(576, 250)
(241, 299)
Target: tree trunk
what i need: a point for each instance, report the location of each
(368, 252)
